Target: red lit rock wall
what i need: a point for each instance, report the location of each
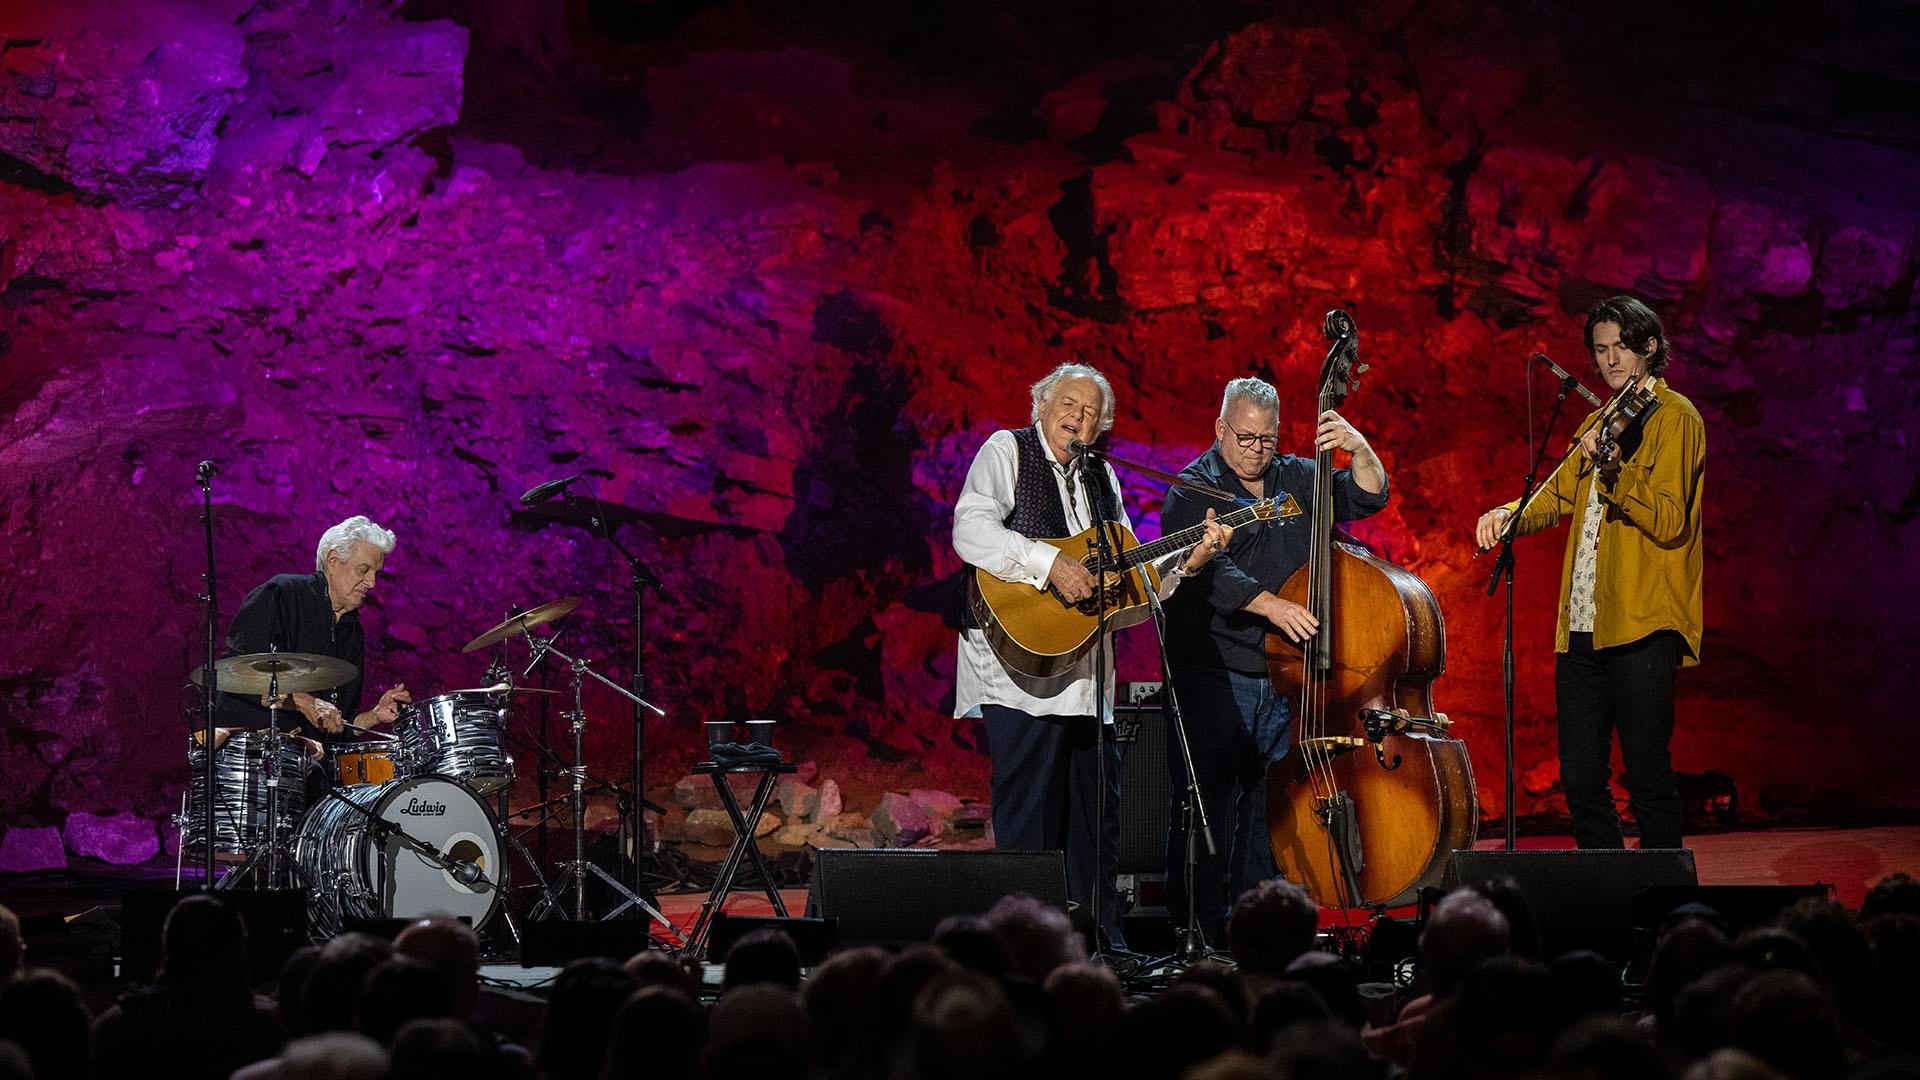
(768, 286)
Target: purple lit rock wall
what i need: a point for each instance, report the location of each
(767, 279)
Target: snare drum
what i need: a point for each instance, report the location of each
(462, 735)
(355, 874)
(368, 763)
(240, 762)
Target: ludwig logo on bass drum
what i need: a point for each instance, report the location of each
(416, 808)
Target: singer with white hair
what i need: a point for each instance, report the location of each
(1044, 735)
(317, 613)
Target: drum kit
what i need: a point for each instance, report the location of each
(401, 826)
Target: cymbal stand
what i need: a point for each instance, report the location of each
(280, 867)
(576, 871)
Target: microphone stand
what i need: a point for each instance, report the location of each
(211, 690)
(631, 812)
(460, 870)
(1503, 568)
(1101, 499)
(1190, 941)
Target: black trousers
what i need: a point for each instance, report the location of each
(1629, 689)
(1046, 795)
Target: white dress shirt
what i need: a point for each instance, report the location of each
(981, 540)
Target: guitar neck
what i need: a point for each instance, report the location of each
(1187, 537)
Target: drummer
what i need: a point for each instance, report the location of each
(317, 613)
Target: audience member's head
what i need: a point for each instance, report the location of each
(13, 947)
(964, 1029)
(580, 1011)
(1224, 982)
(967, 940)
(432, 1048)
(1232, 1065)
(1895, 894)
(399, 990)
(660, 1032)
(1584, 984)
(890, 1007)
(1606, 1048)
(1087, 1006)
(756, 1031)
(1282, 1005)
(1504, 1020)
(334, 1055)
(1334, 980)
(836, 996)
(1464, 930)
(1686, 949)
(43, 1011)
(1523, 928)
(650, 967)
(1839, 948)
(204, 942)
(333, 986)
(1039, 938)
(1728, 1063)
(289, 997)
(13, 1061)
(452, 950)
(1165, 1035)
(1703, 1011)
(1769, 948)
(1784, 1018)
(763, 956)
(1895, 999)
(1271, 923)
(1321, 1050)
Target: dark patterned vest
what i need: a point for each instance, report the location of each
(1037, 510)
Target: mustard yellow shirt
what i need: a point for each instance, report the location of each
(1649, 554)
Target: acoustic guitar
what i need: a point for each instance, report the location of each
(1039, 633)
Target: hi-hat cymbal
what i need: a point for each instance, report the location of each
(297, 673)
(523, 622)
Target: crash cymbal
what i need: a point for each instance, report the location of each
(298, 673)
(502, 688)
(523, 622)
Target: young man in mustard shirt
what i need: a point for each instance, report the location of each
(1630, 610)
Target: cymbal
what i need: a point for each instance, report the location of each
(502, 688)
(523, 622)
(299, 673)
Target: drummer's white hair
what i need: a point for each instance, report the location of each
(1044, 389)
(340, 539)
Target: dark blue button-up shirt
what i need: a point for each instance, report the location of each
(1206, 621)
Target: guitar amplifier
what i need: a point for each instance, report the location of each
(1140, 727)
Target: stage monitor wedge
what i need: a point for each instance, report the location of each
(898, 895)
(1582, 899)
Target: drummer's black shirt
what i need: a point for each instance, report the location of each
(293, 613)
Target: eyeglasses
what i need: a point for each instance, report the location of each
(1248, 442)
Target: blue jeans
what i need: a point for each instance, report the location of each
(1238, 727)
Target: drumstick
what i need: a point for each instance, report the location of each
(368, 730)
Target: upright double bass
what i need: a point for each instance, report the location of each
(1377, 791)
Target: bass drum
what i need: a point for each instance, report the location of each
(355, 874)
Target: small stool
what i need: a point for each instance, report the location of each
(744, 847)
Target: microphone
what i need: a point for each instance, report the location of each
(464, 872)
(543, 492)
(1567, 380)
(205, 471)
(1080, 449)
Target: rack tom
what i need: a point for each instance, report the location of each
(462, 735)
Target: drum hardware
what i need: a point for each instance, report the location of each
(274, 674)
(576, 871)
(210, 691)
